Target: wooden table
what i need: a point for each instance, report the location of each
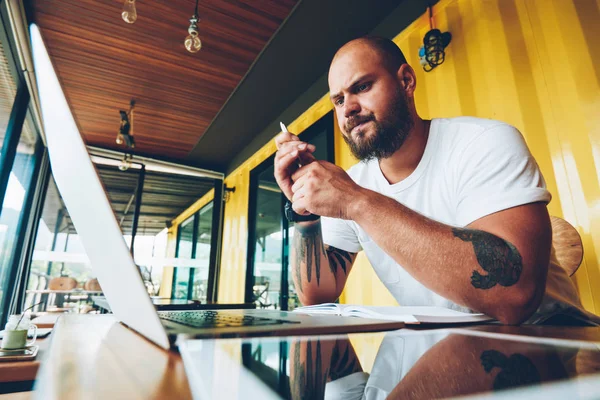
(23, 370)
(94, 356)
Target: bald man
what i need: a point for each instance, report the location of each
(450, 212)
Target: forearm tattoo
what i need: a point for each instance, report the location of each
(516, 370)
(309, 248)
(308, 244)
(499, 258)
(308, 379)
(338, 258)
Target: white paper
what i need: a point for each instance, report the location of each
(407, 314)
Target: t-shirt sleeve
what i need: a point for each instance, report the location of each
(339, 233)
(495, 172)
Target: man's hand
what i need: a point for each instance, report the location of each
(324, 189)
(291, 154)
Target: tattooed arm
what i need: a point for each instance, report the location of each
(319, 271)
(315, 362)
(496, 265)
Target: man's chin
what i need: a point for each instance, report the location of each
(362, 135)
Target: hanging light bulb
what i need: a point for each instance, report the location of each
(126, 162)
(193, 44)
(129, 13)
(119, 139)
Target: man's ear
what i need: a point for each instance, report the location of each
(408, 79)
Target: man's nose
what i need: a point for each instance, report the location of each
(351, 107)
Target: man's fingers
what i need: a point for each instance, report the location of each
(285, 137)
(297, 195)
(299, 206)
(300, 172)
(285, 162)
(298, 185)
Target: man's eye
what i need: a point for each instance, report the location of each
(339, 101)
(362, 87)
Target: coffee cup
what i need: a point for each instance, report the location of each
(15, 332)
(17, 339)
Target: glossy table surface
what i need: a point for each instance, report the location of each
(94, 356)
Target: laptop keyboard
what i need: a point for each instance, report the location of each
(214, 319)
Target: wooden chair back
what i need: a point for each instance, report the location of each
(567, 245)
(62, 283)
(92, 284)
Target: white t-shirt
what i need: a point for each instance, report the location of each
(470, 168)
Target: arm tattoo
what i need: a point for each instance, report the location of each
(499, 258)
(337, 258)
(516, 370)
(308, 243)
(308, 380)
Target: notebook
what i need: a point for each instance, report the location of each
(408, 315)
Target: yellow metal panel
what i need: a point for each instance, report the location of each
(567, 36)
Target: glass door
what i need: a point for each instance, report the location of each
(268, 282)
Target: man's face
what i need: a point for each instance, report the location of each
(371, 106)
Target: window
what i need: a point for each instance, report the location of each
(268, 281)
(57, 251)
(194, 236)
(15, 210)
(8, 91)
(185, 247)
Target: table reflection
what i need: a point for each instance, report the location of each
(415, 365)
(318, 363)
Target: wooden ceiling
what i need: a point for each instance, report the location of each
(261, 61)
(103, 63)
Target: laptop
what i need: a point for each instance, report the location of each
(85, 198)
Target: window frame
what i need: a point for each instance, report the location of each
(326, 122)
(215, 244)
(21, 250)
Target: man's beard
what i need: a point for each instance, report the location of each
(389, 134)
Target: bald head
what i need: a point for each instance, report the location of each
(389, 53)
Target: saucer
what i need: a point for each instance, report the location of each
(24, 354)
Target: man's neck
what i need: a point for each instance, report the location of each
(406, 159)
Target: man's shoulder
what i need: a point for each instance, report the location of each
(473, 132)
(470, 125)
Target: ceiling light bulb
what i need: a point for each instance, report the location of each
(125, 164)
(129, 13)
(193, 44)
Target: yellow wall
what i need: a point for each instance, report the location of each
(532, 63)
